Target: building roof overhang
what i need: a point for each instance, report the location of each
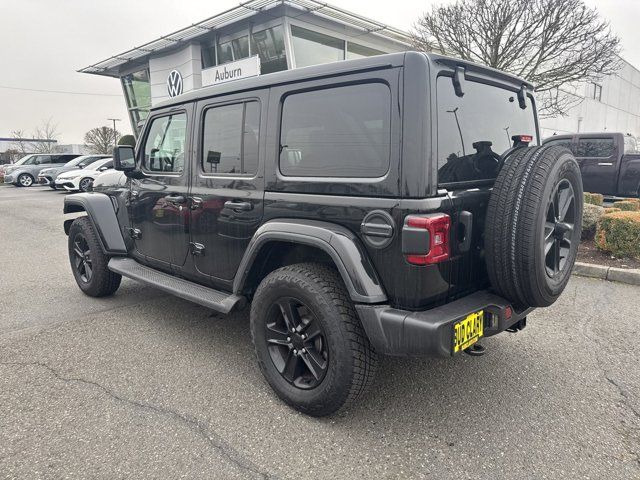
(112, 66)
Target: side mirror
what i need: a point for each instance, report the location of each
(124, 158)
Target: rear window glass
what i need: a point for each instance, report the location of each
(230, 139)
(595, 147)
(337, 132)
(473, 130)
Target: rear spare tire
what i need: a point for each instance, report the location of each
(533, 226)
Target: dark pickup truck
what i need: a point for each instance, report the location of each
(609, 162)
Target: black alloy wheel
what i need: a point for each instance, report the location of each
(309, 342)
(89, 263)
(558, 229)
(296, 343)
(82, 258)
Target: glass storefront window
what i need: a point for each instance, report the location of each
(269, 45)
(314, 48)
(355, 50)
(233, 50)
(208, 53)
(137, 91)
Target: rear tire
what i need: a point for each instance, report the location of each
(533, 226)
(335, 364)
(88, 261)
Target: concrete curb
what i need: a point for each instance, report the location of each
(630, 276)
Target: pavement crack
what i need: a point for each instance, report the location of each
(195, 425)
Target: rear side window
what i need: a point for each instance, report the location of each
(337, 132)
(475, 129)
(164, 147)
(230, 139)
(595, 147)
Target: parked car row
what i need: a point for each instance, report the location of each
(64, 171)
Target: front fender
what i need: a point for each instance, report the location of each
(103, 217)
(338, 242)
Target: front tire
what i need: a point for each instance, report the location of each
(25, 180)
(88, 261)
(85, 184)
(310, 344)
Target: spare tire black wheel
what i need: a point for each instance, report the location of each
(533, 226)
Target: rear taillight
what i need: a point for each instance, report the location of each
(425, 238)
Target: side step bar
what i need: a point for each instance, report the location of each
(208, 297)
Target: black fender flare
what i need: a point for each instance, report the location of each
(338, 242)
(102, 214)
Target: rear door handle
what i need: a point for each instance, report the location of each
(605, 164)
(238, 205)
(177, 200)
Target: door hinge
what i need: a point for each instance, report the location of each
(135, 233)
(197, 248)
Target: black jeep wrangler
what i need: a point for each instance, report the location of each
(388, 205)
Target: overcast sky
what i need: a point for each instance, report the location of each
(44, 42)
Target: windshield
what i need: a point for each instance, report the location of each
(31, 160)
(75, 161)
(23, 160)
(96, 165)
(86, 161)
(475, 129)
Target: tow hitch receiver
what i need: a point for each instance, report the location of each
(475, 350)
(516, 327)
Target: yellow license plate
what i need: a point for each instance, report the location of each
(467, 332)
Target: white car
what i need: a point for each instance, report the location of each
(82, 179)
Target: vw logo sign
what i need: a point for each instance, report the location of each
(174, 83)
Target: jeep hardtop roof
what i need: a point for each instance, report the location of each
(389, 60)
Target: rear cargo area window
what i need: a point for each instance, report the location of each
(337, 132)
(475, 129)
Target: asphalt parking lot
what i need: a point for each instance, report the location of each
(144, 385)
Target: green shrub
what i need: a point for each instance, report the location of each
(590, 217)
(611, 210)
(593, 198)
(619, 233)
(627, 205)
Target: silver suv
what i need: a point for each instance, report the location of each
(48, 175)
(25, 171)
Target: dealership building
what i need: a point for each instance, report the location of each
(257, 37)
(264, 36)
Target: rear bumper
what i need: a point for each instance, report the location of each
(430, 332)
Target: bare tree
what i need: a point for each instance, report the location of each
(551, 43)
(101, 139)
(18, 142)
(47, 131)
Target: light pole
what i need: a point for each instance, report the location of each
(115, 140)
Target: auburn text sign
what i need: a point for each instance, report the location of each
(247, 67)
